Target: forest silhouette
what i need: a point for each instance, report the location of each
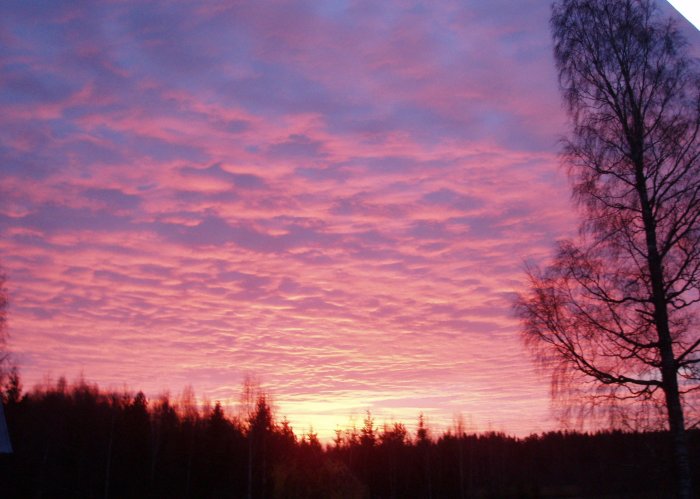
(76, 440)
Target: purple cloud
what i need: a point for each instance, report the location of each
(335, 196)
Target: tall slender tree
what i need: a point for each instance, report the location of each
(5, 444)
(4, 355)
(615, 316)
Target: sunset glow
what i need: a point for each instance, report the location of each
(338, 198)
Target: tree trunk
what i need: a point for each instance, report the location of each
(669, 373)
(678, 437)
(108, 466)
(250, 464)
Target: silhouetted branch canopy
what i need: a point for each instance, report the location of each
(615, 316)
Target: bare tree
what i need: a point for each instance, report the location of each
(6, 365)
(3, 324)
(615, 316)
(5, 444)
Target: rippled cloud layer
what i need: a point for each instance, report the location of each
(336, 197)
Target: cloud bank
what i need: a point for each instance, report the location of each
(337, 197)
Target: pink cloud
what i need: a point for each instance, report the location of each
(340, 201)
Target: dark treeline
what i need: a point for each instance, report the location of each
(77, 441)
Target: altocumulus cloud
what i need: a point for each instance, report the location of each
(335, 196)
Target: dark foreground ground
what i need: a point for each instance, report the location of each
(79, 442)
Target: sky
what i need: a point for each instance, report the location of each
(336, 198)
(689, 9)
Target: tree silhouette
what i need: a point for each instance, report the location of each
(75, 440)
(615, 316)
(5, 444)
(423, 444)
(3, 322)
